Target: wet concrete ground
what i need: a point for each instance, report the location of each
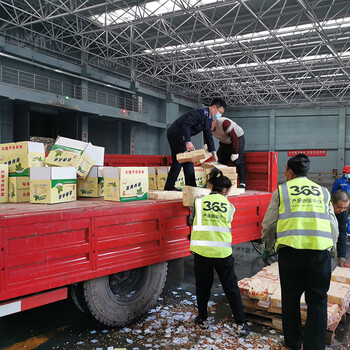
(169, 325)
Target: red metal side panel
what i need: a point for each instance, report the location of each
(261, 171)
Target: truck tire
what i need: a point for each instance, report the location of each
(121, 298)
(176, 273)
(76, 292)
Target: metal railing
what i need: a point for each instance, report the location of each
(44, 84)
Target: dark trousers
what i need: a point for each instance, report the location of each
(178, 145)
(308, 271)
(224, 155)
(204, 274)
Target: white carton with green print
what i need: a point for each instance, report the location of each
(20, 156)
(201, 176)
(93, 185)
(180, 181)
(126, 184)
(53, 185)
(74, 153)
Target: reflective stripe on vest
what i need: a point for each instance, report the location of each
(303, 221)
(211, 244)
(211, 235)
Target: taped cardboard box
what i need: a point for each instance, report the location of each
(192, 156)
(341, 274)
(162, 175)
(339, 293)
(20, 156)
(93, 185)
(4, 184)
(152, 178)
(19, 188)
(125, 184)
(190, 193)
(164, 195)
(74, 153)
(53, 185)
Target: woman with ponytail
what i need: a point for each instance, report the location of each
(211, 245)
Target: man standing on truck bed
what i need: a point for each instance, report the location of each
(231, 146)
(179, 138)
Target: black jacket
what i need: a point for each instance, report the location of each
(343, 237)
(192, 123)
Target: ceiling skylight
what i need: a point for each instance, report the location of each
(148, 9)
(252, 37)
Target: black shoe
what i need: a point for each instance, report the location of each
(203, 324)
(242, 330)
(242, 186)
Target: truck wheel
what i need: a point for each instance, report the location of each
(176, 273)
(121, 298)
(77, 294)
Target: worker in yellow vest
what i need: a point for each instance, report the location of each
(300, 217)
(211, 244)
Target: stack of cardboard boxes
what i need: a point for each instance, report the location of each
(263, 292)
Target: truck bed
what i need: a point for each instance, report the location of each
(47, 246)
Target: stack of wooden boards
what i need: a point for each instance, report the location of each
(202, 172)
(261, 297)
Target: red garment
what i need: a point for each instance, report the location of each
(233, 136)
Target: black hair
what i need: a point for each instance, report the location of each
(340, 196)
(219, 181)
(218, 102)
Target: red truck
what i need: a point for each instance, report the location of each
(112, 258)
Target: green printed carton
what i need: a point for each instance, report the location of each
(93, 185)
(74, 153)
(125, 183)
(20, 156)
(53, 185)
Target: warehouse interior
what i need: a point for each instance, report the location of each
(117, 74)
(121, 70)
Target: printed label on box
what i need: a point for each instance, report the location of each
(112, 189)
(133, 184)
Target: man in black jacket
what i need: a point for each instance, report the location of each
(179, 138)
(341, 201)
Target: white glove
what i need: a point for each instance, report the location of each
(205, 147)
(234, 157)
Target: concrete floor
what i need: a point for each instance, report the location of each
(169, 325)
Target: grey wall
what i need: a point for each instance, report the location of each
(298, 129)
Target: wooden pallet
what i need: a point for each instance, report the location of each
(274, 320)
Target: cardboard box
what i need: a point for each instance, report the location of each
(74, 153)
(192, 156)
(20, 156)
(125, 183)
(19, 188)
(53, 185)
(93, 185)
(200, 175)
(152, 178)
(4, 185)
(165, 195)
(190, 193)
(162, 175)
(339, 293)
(180, 181)
(341, 274)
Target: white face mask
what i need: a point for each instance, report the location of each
(217, 115)
(347, 176)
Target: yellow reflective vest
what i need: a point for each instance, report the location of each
(303, 221)
(211, 234)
